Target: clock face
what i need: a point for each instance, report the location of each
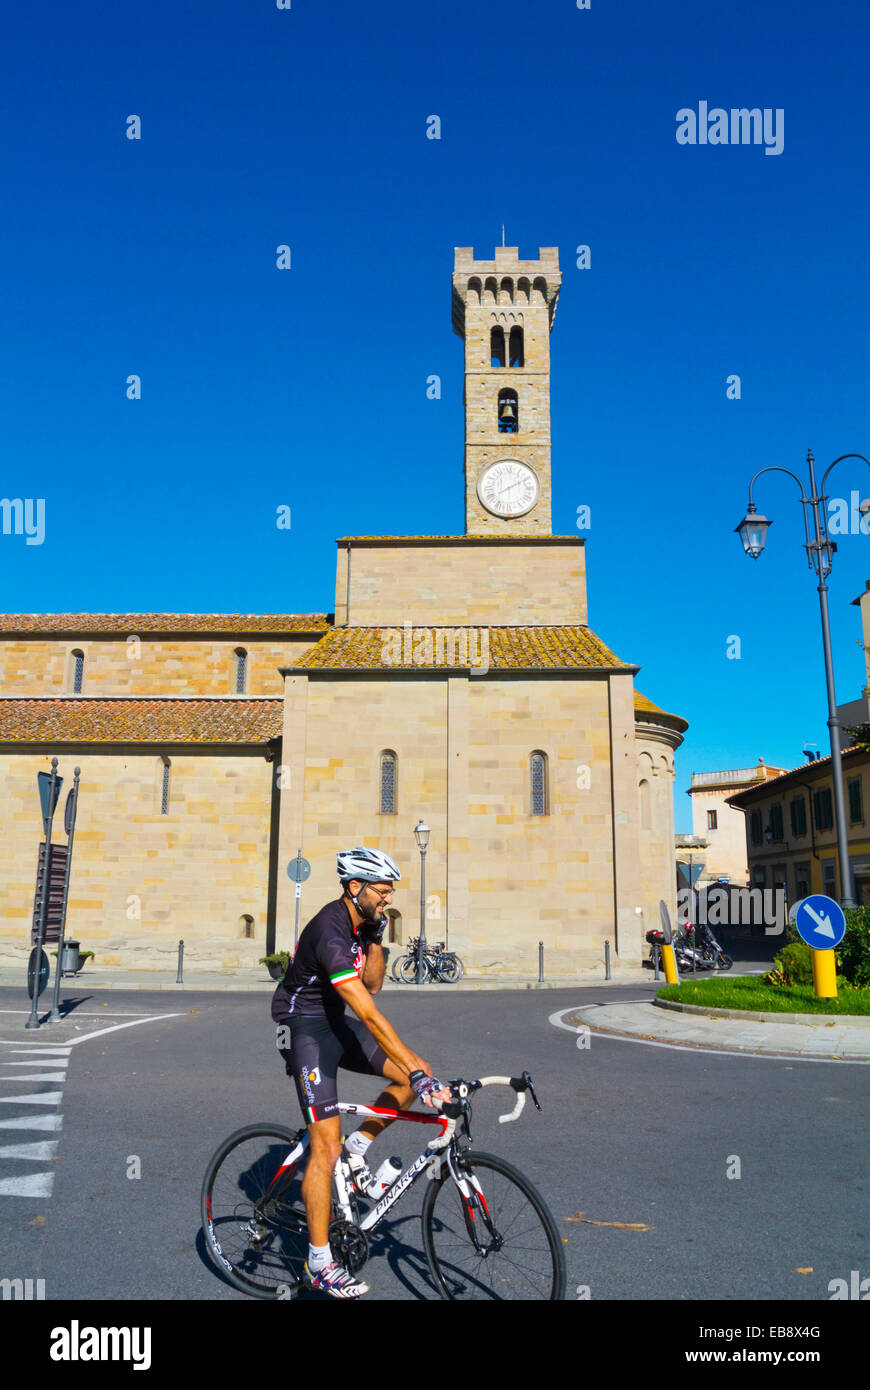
(508, 488)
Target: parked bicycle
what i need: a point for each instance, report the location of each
(487, 1232)
(438, 964)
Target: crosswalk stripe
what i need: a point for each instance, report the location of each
(33, 1122)
(37, 1076)
(49, 1062)
(38, 1098)
(49, 1052)
(29, 1185)
(41, 1152)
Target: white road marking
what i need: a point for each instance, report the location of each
(38, 1076)
(42, 1098)
(50, 1053)
(556, 1020)
(30, 1185)
(40, 1152)
(49, 1062)
(101, 1032)
(33, 1122)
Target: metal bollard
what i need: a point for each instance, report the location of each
(178, 979)
(656, 957)
(607, 960)
(540, 962)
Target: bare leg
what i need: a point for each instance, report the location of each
(397, 1096)
(325, 1138)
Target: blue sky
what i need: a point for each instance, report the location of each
(307, 387)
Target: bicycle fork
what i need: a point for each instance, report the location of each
(472, 1196)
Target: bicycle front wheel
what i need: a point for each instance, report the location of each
(408, 970)
(451, 967)
(396, 968)
(255, 1227)
(518, 1254)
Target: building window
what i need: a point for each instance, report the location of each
(164, 789)
(246, 926)
(394, 927)
(829, 878)
(856, 812)
(823, 809)
(517, 357)
(798, 813)
(802, 880)
(645, 807)
(77, 671)
(712, 820)
(388, 783)
(240, 658)
(508, 412)
(775, 821)
(755, 827)
(496, 347)
(538, 773)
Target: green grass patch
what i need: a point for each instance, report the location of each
(748, 992)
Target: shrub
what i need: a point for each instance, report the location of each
(853, 952)
(792, 966)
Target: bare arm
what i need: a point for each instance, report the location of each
(373, 970)
(355, 993)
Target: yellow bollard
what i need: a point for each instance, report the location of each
(824, 974)
(670, 964)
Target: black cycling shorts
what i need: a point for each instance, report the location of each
(318, 1047)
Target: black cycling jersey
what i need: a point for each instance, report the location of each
(330, 951)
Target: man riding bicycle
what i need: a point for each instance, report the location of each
(339, 960)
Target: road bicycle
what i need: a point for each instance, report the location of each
(438, 964)
(487, 1232)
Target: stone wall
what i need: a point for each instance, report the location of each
(143, 665)
(140, 879)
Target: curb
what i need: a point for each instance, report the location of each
(729, 1047)
(808, 1020)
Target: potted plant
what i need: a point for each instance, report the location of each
(276, 964)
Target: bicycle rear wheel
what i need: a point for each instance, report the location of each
(256, 1233)
(521, 1255)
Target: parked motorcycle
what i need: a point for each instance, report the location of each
(711, 952)
(694, 949)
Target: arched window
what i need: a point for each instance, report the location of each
(490, 290)
(496, 347)
(517, 358)
(645, 806)
(77, 671)
(394, 929)
(240, 683)
(164, 787)
(388, 783)
(540, 800)
(246, 926)
(507, 292)
(508, 412)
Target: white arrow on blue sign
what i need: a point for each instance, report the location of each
(820, 922)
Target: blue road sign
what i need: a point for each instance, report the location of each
(820, 922)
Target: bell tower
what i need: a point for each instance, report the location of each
(504, 310)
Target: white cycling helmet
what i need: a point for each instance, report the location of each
(367, 865)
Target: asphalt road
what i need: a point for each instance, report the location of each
(631, 1151)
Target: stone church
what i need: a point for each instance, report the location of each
(456, 681)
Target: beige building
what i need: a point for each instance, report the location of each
(719, 825)
(455, 679)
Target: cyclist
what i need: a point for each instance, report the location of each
(339, 960)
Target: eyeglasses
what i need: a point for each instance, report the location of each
(387, 893)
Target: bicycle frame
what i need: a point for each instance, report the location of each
(371, 1219)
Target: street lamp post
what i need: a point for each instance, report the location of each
(820, 554)
(421, 835)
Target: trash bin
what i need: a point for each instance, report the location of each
(69, 961)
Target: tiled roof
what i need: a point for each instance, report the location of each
(78, 720)
(129, 623)
(568, 647)
(643, 705)
(773, 785)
